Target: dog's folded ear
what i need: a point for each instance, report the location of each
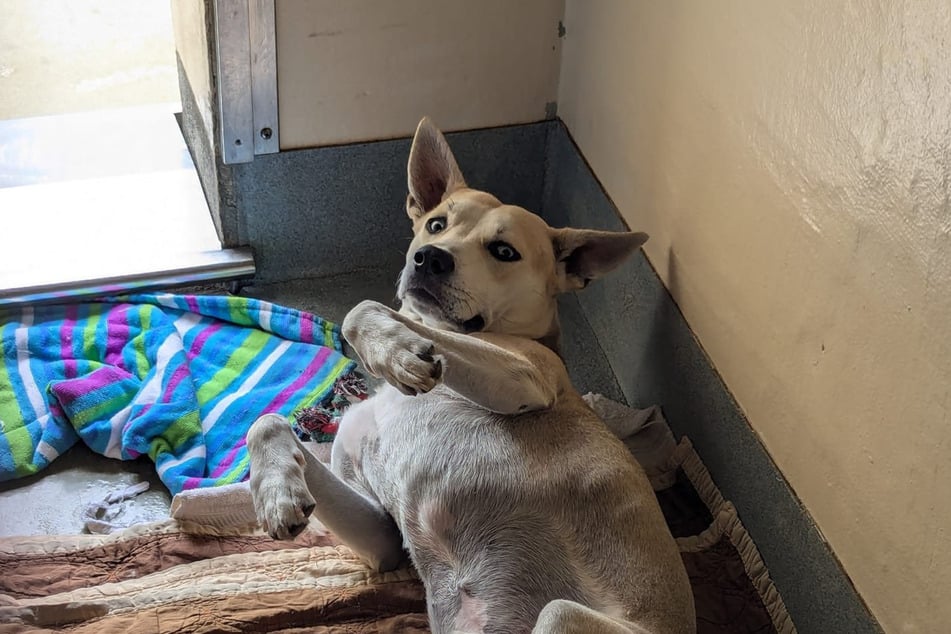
(583, 255)
(432, 172)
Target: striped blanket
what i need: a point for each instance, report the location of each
(177, 378)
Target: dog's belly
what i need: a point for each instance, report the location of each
(510, 509)
(417, 453)
(477, 524)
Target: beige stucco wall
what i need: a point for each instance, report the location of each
(791, 163)
(366, 69)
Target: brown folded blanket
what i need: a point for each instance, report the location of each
(177, 577)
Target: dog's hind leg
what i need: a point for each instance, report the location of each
(567, 617)
(288, 483)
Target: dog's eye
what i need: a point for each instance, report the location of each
(435, 225)
(504, 252)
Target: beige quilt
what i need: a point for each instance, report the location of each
(182, 577)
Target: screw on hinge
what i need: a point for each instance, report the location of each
(266, 133)
(237, 141)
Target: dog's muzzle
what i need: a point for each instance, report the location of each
(427, 283)
(433, 261)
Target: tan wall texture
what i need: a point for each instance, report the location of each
(791, 163)
(366, 69)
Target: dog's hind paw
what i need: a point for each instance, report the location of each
(282, 505)
(282, 501)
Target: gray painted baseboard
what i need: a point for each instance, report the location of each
(335, 210)
(326, 211)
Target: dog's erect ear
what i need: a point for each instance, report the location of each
(432, 171)
(583, 255)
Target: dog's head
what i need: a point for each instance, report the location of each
(476, 264)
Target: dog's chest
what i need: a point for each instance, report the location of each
(437, 450)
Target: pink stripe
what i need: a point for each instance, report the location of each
(67, 331)
(229, 459)
(177, 377)
(145, 410)
(192, 303)
(67, 392)
(201, 339)
(191, 483)
(299, 382)
(117, 335)
(125, 430)
(306, 330)
(56, 410)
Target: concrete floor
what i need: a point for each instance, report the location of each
(53, 501)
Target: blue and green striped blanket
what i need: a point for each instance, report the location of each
(177, 378)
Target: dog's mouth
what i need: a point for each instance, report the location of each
(476, 324)
(429, 303)
(422, 295)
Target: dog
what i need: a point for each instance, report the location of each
(518, 507)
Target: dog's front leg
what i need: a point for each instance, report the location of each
(288, 482)
(414, 358)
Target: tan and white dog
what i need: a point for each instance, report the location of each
(518, 507)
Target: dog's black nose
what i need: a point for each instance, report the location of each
(433, 261)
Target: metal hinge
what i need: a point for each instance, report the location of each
(247, 79)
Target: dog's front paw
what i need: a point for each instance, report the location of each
(411, 364)
(282, 501)
(391, 350)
